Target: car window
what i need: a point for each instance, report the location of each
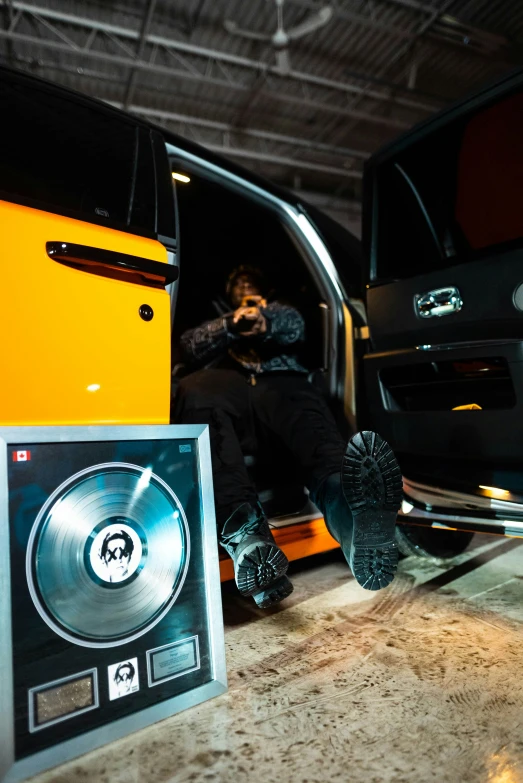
(452, 196)
(490, 176)
(67, 157)
(406, 245)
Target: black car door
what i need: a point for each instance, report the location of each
(443, 238)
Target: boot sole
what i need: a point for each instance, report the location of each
(274, 593)
(258, 567)
(373, 488)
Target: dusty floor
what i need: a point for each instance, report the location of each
(420, 682)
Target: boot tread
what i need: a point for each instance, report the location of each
(372, 485)
(274, 594)
(259, 567)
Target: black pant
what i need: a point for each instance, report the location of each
(283, 405)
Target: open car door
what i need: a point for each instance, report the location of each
(443, 235)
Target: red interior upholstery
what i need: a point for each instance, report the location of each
(489, 202)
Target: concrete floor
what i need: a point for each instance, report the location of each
(419, 682)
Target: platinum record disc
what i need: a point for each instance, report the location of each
(108, 555)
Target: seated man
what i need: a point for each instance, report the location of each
(253, 381)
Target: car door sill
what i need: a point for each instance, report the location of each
(502, 527)
(440, 507)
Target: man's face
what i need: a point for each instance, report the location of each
(244, 285)
(116, 561)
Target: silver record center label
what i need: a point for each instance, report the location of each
(115, 553)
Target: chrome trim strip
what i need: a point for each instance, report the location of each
(487, 344)
(483, 345)
(446, 498)
(506, 527)
(212, 564)
(349, 380)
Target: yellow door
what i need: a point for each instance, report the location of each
(75, 348)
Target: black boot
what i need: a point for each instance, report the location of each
(360, 506)
(259, 564)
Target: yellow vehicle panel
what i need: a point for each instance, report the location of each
(74, 347)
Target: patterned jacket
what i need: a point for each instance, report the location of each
(270, 352)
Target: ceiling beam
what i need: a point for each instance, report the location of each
(160, 114)
(142, 42)
(313, 105)
(279, 160)
(414, 5)
(225, 149)
(372, 22)
(325, 201)
(403, 50)
(220, 56)
(266, 156)
(129, 62)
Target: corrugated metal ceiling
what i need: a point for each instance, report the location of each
(376, 68)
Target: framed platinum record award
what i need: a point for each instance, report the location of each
(110, 603)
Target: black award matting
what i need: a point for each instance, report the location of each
(168, 659)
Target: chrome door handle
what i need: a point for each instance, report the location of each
(442, 301)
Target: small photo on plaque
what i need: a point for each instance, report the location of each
(173, 660)
(123, 678)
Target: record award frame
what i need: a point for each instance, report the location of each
(16, 766)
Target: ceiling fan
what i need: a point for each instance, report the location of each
(281, 39)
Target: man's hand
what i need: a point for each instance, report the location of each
(253, 300)
(252, 320)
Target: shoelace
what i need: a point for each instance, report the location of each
(246, 529)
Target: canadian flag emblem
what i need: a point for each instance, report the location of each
(21, 456)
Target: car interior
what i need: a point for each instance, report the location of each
(219, 229)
